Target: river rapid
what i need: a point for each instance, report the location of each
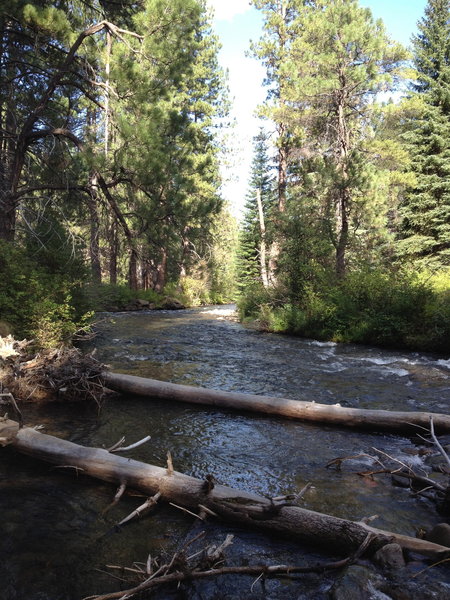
(54, 538)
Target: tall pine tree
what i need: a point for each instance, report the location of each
(425, 210)
(255, 229)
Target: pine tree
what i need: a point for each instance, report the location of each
(340, 61)
(329, 63)
(425, 229)
(261, 183)
(168, 95)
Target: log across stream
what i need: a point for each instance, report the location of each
(384, 420)
(229, 503)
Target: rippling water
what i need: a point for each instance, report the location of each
(53, 537)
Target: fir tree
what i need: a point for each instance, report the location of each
(261, 182)
(425, 210)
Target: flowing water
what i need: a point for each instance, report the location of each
(54, 538)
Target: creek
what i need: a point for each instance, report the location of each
(54, 539)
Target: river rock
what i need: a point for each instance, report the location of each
(438, 464)
(357, 583)
(171, 304)
(138, 304)
(400, 481)
(143, 303)
(440, 534)
(390, 556)
(427, 589)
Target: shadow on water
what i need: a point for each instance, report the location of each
(54, 539)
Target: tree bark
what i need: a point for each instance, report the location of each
(262, 244)
(133, 260)
(333, 414)
(344, 192)
(161, 272)
(113, 242)
(239, 506)
(94, 238)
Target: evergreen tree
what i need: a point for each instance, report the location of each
(332, 61)
(425, 230)
(165, 148)
(340, 60)
(261, 184)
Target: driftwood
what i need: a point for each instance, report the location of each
(272, 515)
(58, 374)
(209, 562)
(306, 411)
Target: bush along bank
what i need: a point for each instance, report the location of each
(394, 310)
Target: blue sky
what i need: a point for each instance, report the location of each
(236, 23)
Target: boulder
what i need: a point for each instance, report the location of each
(142, 303)
(171, 304)
(440, 534)
(390, 556)
(357, 583)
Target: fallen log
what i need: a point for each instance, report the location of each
(333, 414)
(246, 508)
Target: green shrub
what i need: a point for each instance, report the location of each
(37, 303)
(249, 304)
(191, 292)
(380, 307)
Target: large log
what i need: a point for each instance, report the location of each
(334, 414)
(336, 534)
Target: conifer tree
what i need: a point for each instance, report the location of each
(425, 229)
(261, 183)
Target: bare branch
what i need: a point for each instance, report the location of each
(131, 446)
(437, 443)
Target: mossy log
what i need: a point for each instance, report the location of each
(335, 534)
(334, 414)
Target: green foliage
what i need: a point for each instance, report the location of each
(126, 157)
(250, 303)
(194, 292)
(425, 210)
(109, 297)
(261, 180)
(391, 309)
(352, 179)
(37, 303)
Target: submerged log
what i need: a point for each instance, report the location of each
(334, 414)
(247, 508)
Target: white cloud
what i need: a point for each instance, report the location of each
(225, 10)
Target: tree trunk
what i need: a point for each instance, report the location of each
(283, 153)
(161, 272)
(8, 133)
(113, 240)
(132, 269)
(235, 505)
(107, 82)
(133, 261)
(7, 217)
(333, 414)
(344, 196)
(342, 237)
(262, 244)
(94, 246)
